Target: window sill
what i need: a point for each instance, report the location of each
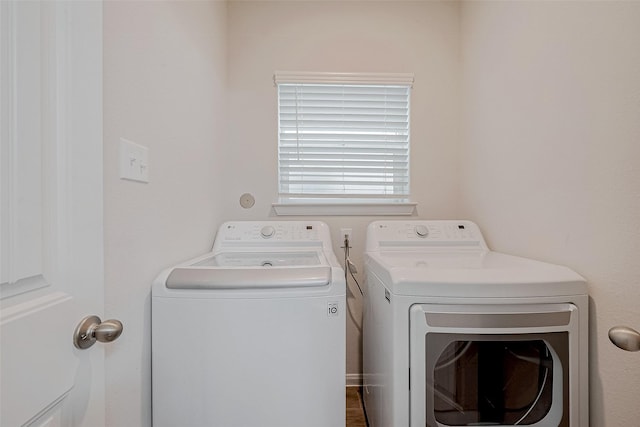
(321, 207)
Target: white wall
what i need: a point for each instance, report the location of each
(354, 36)
(550, 158)
(165, 75)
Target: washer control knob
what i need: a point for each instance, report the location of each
(267, 231)
(422, 230)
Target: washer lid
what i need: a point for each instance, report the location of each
(262, 259)
(240, 269)
(471, 274)
(248, 278)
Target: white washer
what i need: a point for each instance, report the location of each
(253, 333)
(455, 334)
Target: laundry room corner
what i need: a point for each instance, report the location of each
(523, 120)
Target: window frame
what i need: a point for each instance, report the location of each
(334, 204)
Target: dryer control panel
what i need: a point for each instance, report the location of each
(446, 233)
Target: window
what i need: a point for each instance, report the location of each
(343, 138)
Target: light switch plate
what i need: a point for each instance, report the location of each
(134, 161)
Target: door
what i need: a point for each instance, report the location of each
(51, 251)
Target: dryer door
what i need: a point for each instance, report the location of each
(501, 365)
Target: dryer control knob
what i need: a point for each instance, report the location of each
(422, 230)
(267, 231)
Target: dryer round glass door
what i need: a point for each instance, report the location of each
(506, 380)
(492, 365)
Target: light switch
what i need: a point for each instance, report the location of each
(134, 161)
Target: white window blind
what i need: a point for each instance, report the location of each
(340, 140)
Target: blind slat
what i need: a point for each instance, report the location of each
(339, 140)
(380, 158)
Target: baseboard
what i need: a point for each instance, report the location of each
(354, 380)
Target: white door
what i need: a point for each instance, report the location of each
(51, 243)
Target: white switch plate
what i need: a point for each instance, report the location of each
(134, 161)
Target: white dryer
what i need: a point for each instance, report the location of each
(458, 335)
(253, 333)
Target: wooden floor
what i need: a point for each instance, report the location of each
(355, 410)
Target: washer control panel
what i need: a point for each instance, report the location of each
(446, 233)
(273, 231)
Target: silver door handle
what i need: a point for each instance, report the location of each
(92, 329)
(624, 337)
